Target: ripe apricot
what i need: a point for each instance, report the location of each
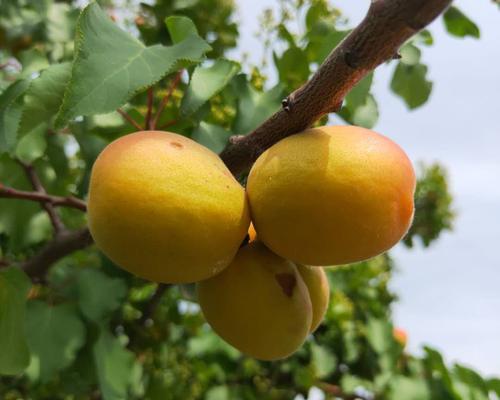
(400, 336)
(166, 208)
(319, 291)
(259, 304)
(332, 195)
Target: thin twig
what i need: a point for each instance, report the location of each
(56, 201)
(129, 119)
(337, 392)
(169, 123)
(148, 120)
(153, 303)
(165, 100)
(36, 183)
(62, 245)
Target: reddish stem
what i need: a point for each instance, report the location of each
(148, 120)
(166, 99)
(129, 119)
(56, 201)
(37, 185)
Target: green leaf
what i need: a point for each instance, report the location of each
(471, 378)
(458, 24)
(212, 136)
(293, 67)
(253, 106)
(98, 294)
(32, 146)
(410, 54)
(208, 343)
(434, 363)
(14, 287)
(323, 38)
(18, 219)
(351, 383)
(424, 37)
(284, 33)
(44, 97)
(61, 21)
(323, 360)
(90, 146)
(32, 60)
(360, 107)
(379, 335)
(180, 27)
(410, 82)
(111, 66)
(409, 389)
(55, 334)
(115, 366)
(218, 393)
(10, 113)
(357, 96)
(494, 385)
(206, 82)
(181, 4)
(367, 114)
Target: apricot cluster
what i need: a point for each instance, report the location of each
(167, 209)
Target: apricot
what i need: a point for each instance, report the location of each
(165, 208)
(259, 304)
(400, 336)
(332, 195)
(319, 291)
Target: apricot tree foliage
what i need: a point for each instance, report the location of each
(72, 325)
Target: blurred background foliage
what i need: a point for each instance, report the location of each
(82, 333)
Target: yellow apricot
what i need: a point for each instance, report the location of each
(332, 195)
(400, 336)
(165, 208)
(319, 291)
(259, 304)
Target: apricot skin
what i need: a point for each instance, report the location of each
(259, 304)
(319, 291)
(165, 208)
(332, 195)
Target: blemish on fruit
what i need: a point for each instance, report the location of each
(287, 283)
(176, 145)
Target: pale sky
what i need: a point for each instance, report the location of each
(450, 293)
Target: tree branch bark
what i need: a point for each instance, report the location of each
(166, 99)
(153, 303)
(388, 24)
(56, 201)
(37, 185)
(62, 245)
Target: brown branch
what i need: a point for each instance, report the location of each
(166, 99)
(36, 183)
(129, 119)
(167, 124)
(153, 303)
(148, 120)
(62, 245)
(56, 201)
(388, 24)
(337, 392)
